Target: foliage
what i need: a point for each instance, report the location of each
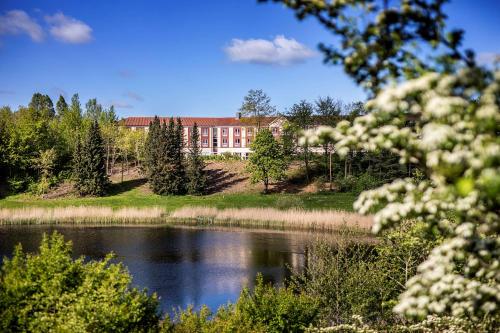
(164, 158)
(50, 291)
(196, 175)
(350, 278)
(381, 41)
(90, 164)
(267, 162)
(257, 105)
(265, 309)
(357, 184)
(226, 156)
(445, 119)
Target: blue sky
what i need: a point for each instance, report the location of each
(180, 57)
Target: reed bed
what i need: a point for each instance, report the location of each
(81, 215)
(319, 220)
(270, 218)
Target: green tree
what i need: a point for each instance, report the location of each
(93, 109)
(51, 292)
(6, 123)
(266, 162)
(92, 178)
(301, 117)
(256, 106)
(197, 178)
(387, 45)
(154, 154)
(42, 105)
(173, 166)
(453, 105)
(61, 106)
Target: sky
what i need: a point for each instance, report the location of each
(184, 58)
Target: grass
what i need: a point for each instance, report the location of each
(318, 211)
(138, 199)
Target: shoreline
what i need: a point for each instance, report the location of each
(196, 216)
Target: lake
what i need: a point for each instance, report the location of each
(182, 265)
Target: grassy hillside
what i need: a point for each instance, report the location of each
(137, 198)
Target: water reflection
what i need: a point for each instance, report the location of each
(183, 266)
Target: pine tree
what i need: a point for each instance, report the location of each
(174, 164)
(91, 164)
(197, 178)
(154, 158)
(77, 164)
(61, 106)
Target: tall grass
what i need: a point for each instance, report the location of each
(299, 219)
(81, 214)
(323, 220)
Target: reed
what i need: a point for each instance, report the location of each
(319, 220)
(81, 215)
(292, 219)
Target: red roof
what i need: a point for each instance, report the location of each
(189, 121)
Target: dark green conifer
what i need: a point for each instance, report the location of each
(92, 178)
(196, 176)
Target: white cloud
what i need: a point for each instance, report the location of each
(16, 22)
(488, 58)
(279, 51)
(133, 95)
(68, 29)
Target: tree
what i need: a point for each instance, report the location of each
(154, 156)
(93, 109)
(61, 106)
(301, 116)
(256, 106)
(453, 105)
(196, 175)
(174, 162)
(51, 292)
(42, 105)
(267, 162)
(6, 123)
(388, 45)
(91, 164)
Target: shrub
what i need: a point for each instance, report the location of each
(357, 184)
(350, 278)
(50, 291)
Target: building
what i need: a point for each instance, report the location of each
(217, 135)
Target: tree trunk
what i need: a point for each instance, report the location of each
(306, 161)
(331, 171)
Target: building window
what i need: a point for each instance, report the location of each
(236, 142)
(237, 132)
(249, 131)
(224, 142)
(249, 141)
(204, 142)
(275, 130)
(204, 131)
(224, 132)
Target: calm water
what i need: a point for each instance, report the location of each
(183, 266)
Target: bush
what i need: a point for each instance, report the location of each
(222, 157)
(357, 184)
(351, 278)
(50, 291)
